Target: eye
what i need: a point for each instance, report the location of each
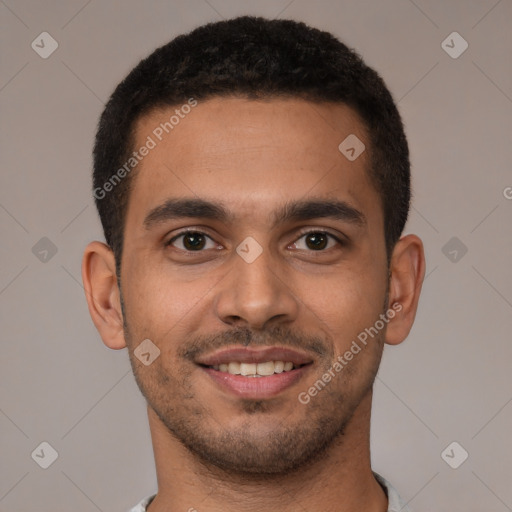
(192, 241)
(316, 241)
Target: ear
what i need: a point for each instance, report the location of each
(407, 268)
(102, 293)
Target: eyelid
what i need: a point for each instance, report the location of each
(313, 229)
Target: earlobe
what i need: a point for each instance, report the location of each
(102, 293)
(407, 272)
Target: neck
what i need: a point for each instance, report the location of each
(341, 480)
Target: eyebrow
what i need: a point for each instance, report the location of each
(291, 211)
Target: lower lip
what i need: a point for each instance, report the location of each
(256, 387)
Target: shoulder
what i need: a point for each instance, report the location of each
(395, 502)
(142, 505)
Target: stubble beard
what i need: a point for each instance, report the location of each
(260, 446)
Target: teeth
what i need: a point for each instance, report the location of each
(265, 368)
(248, 368)
(255, 369)
(234, 368)
(278, 366)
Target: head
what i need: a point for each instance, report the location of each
(289, 244)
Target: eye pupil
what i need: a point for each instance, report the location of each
(316, 240)
(192, 241)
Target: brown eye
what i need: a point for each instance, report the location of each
(316, 241)
(192, 241)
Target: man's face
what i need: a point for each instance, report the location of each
(273, 172)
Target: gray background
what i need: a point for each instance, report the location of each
(450, 381)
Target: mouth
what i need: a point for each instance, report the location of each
(256, 373)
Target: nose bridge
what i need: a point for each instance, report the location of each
(255, 292)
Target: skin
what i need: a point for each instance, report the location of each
(215, 451)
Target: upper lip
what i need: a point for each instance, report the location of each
(253, 355)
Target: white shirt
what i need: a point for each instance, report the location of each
(395, 503)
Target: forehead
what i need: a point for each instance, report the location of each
(250, 155)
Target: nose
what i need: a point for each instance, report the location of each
(256, 294)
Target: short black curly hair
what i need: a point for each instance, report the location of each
(255, 58)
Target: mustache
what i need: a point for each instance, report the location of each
(279, 335)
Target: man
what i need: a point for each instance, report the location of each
(252, 179)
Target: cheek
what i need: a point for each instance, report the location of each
(162, 305)
(346, 304)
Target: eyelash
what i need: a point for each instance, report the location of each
(302, 234)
